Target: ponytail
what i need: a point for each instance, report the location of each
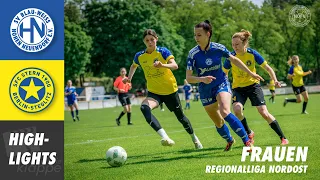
(244, 36)
(206, 26)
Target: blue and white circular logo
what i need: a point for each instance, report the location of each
(208, 61)
(32, 30)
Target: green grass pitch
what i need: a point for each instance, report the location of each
(87, 141)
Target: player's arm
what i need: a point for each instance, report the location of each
(169, 59)
(118, 90)
(194, 79)
(132, 70)
(190, 91)
(290, 73)
(115, 88)
(271, 74)
(189, 72)
(170, 65)
(290, 76)
(116, 84)
(236, 61)
(226, 66)
(307, 73)
(66, 93)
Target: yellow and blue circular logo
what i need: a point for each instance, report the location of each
(31, 90)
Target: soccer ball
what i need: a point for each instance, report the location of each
(116, 156)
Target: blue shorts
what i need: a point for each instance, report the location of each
(208, 95)
(71, 101)
(187, 96)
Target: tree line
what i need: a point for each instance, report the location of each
(103, 36)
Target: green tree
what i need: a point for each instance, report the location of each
(117, 28)
(76, 50)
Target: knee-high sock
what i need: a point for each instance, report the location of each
(275, 126)
(183, 120)
(152, 121)
(237, 127)
(245, 125)
(224, 133)
(121, 114)
(304, 106)
(129, 117)
(72, 114)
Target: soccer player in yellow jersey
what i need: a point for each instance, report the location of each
(296, 74)
(244, 86)
(157, 63)
(272, 88)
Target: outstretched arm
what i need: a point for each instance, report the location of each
(193, 79)
(290, 76)
(307, 73)
(236, 61)
(170, 65)
(132, 70)
(272, 74)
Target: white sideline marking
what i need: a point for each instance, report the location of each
(127, 137)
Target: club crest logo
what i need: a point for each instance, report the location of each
(248, 63)
(31, 90)
(208, 61)
(32, 30)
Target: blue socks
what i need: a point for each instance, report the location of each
(72, 114)
(224, 133)
(237, 127)
(187, 105)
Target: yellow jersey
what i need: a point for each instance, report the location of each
(159, 80)
(297, 72)
(272, 86)
(240, 77)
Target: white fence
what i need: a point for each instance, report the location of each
(107, 101)
(288, 90)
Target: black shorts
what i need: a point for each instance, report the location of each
(172, 101)
(272, 91)
(298, 90)
(253, 92)
(124, 99)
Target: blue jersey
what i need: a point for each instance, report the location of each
(208, 63)
(187, 88)
(71, 97)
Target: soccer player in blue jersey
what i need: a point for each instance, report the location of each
(245, 87)
(187, 92)
(157, 64)
(214, 88)
(70, 92)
